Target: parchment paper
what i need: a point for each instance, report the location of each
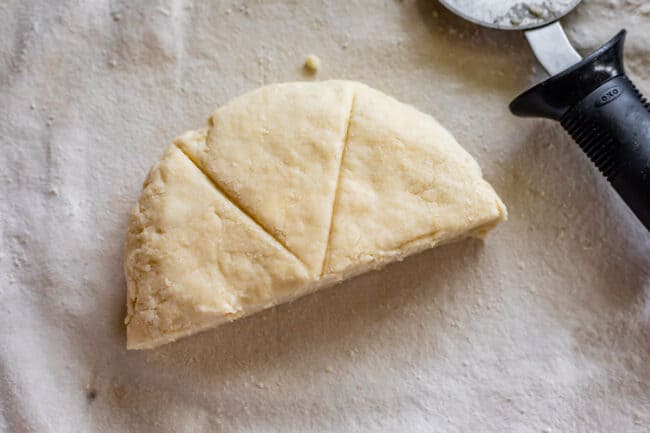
(545, 327)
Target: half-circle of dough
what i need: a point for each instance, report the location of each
(290, 188)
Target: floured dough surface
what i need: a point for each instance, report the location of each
(290, 188)
(194, 260)
(276, 153)
(405, 185)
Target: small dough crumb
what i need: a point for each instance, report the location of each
(312, 63)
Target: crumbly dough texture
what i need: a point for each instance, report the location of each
(290, 188)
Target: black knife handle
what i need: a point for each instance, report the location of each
(612, 126)
(606, 115)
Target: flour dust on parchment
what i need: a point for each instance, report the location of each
(544, 327)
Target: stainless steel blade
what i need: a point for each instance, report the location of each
(552, 48)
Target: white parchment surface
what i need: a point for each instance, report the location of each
(545, 327)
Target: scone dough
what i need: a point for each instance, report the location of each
(288, 189)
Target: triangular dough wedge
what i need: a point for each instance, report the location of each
(193, 260)
(405, 185)
(291, 188)
(276, 152)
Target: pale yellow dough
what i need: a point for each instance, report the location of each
(290, 188)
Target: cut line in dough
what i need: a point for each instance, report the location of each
(338, 183)
(235, 204)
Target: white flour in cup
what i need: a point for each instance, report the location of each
(511, 13)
